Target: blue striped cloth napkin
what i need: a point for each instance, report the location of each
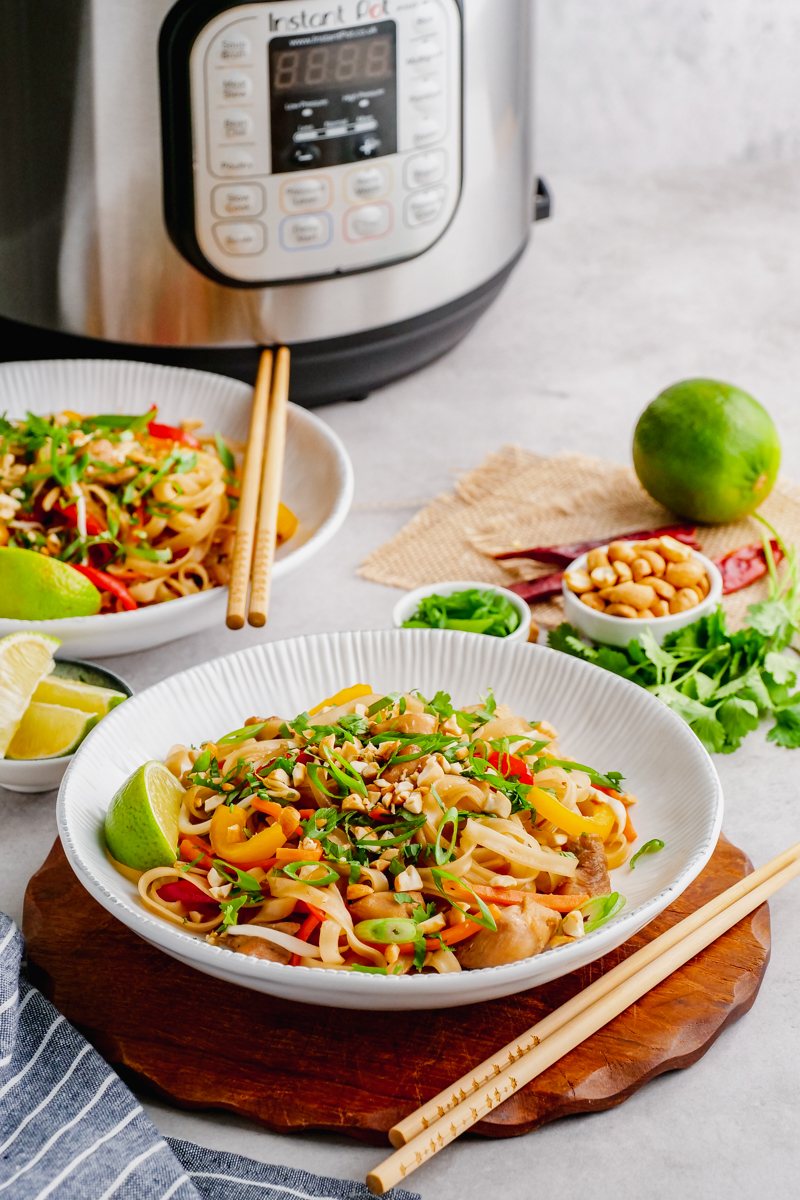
(70, 1128)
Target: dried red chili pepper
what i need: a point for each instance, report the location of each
(539, 589)
(563, 555)
(744, 566)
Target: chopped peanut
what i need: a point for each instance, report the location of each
(357, 891)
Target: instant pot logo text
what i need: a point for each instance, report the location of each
(342, 14)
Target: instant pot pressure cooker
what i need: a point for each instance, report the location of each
(187, 182)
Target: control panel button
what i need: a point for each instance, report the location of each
(368, 221)
(305, 155)
(425, 91)
(422, 170)
(235, 125)
(426, 130)
(235, 85)
(233, 46)
(427, 19)
(306, 232)
(424, 207)
(369, 147)
(235, 161)
(305, 194)
(367, 183)
(238, 200)
(425, 54)
(245, 237)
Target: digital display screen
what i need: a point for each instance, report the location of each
(333, 97)
(356, 62)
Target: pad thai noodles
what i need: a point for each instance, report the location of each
(392, 834)
(146, 511)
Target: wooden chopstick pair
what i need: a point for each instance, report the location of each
(257, 528)
(444, 1118)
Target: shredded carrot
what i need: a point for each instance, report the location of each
(307, 813)
(233, 490)
(304, 933)
(297, 854)
(266, 806)
(377, 812)
(189, 848)
(629, 831)
(305, 906)
(454, 933)
(503, 895)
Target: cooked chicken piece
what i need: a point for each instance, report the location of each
(383, 904)
(257, 948)
(591, 877)
(521, 933)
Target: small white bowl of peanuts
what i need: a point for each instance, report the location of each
(613, 593)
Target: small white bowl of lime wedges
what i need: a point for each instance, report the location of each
(47, 708)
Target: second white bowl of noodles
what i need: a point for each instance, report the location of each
(602, 720)
(317, 479)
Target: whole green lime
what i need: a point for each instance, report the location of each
(706, 451)
(34, 587)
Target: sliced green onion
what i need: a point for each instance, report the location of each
(651, 847)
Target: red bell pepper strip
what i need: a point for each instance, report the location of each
(93, 526)
(171, 433)
(744, 566)
(562, 556)
(185, 892)
(107, 583)
(510, 765)
(304, 933)
(539, 589)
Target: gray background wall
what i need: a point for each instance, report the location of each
(653, 84)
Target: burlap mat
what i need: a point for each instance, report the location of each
(516, 499)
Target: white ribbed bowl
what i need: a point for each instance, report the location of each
(602, 719)
(317, 479)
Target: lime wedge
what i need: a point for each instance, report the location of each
(142, 819)
(34, 587)
(74, 694)
(25, 659)
(50, 731)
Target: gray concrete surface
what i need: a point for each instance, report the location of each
(635, 284)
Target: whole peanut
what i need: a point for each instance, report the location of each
(657, 563)
(703, 586)
(641, 567)
(683, 600)
(660, 608)
(665, 590)
(596, 558)
(685, 574)
(578, 581)
(622, 610)
(623, 571)
(637, 595)
(622, 552)
(592, 600)
(673, 550)
(604, 576)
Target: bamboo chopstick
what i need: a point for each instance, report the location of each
(248, 503)
(418, 1121)
(266, 537)
(667, 952)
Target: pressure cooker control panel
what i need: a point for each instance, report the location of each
(326, 136)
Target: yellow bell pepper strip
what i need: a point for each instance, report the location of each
(229, 842)
(287, 524)
(573, 823)
(342, 697)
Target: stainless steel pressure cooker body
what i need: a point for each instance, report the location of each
(188, 182)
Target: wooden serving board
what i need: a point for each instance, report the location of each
(201, 1043)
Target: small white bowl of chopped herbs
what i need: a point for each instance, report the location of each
(467, 606)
